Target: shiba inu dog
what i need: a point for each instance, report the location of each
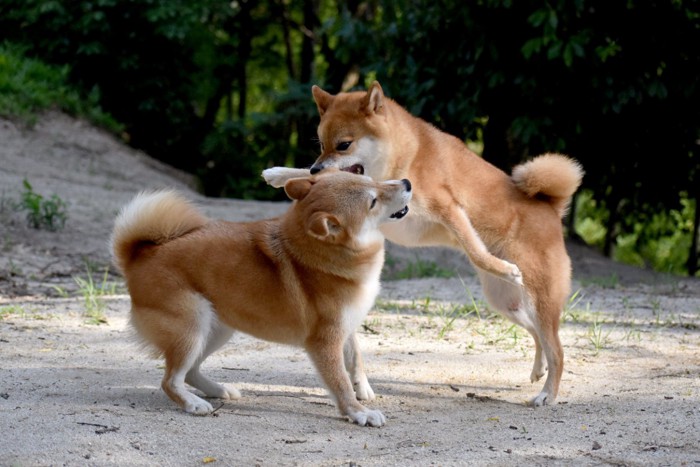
(307, 278)
(508, 226)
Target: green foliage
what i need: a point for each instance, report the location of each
(43, 213)
(591, 219)
(238, 151)
(656, 238)
(221, 88)
(659, 238)
(133, 54)
(29, 86)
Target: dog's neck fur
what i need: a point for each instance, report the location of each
(410, 136)
(357, 263)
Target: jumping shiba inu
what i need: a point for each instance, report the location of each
(508, 226)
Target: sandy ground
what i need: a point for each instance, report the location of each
(451, 377)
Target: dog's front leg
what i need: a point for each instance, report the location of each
(474, 247)
(326, 352)
(356, 368)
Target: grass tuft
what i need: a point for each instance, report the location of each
(93, 295)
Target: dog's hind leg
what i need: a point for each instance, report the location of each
(548, 332)
(178, 360)
(218, 336)
(184, 353)
(516, 305)
(355, 367)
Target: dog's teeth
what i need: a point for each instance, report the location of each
(400, 214)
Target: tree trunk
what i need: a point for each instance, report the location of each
(613, 203)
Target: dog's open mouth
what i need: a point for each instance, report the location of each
(355, 169)
(400, 214)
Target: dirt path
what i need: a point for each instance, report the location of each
(451, 379)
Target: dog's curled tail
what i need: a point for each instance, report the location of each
(552, 177)
(154, 217)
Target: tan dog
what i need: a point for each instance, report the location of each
(462, 201)
(307, 278)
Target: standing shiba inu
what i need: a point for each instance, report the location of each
(307, 278)
(462, 201)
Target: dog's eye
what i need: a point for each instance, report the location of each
(343, 146)
(374, 201)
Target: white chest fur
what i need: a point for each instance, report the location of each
(356, 311)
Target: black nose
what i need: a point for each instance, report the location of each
(407, 184)
(315, 169)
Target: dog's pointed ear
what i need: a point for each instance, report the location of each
(278, 176)
(323, 226)
(298, 188)
(374, 99)
(323, 99)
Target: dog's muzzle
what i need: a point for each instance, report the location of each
(354, 169)
(399, 214)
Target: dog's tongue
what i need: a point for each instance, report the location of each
(400, 214)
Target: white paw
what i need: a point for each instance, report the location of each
(536, 375)
(515, 275)
(363, 391)
(368, 417)
(197, 406)
(228, 392)
(540, 400)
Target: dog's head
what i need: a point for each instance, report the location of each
(341, 208)
(353, 131)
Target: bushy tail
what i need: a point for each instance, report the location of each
(551, 177)
(152, 218)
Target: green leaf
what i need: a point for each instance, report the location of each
(531, 47)
(538, 17)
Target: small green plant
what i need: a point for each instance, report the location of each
(476, 306)
(596, 336)
(93, 296)
(42, 213)
(11, 310)
(60, 291)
